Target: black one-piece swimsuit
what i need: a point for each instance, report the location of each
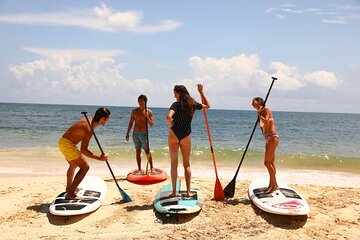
(182, 120)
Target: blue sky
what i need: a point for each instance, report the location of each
(109, 52)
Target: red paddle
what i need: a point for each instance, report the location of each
(218, 190)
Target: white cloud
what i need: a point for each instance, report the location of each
(99, 18)
(239, 73)
(225, 74)
(334, 21)
(336, 14)
(289, 77)
(323, 79)
(102, 11)
(59, 76)
(76, 54)
(270, 10)
(231, 79)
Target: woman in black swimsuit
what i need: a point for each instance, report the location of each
(179, 120)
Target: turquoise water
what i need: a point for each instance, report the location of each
(323, 141)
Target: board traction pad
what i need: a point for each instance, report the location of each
(260, 193)
(73, 204)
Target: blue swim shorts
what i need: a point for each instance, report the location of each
(139, 139)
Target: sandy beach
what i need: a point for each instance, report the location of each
(24, 202)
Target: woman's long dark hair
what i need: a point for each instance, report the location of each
(187, 103)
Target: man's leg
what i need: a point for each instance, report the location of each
(84, 168)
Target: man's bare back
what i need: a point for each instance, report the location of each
(78, 130)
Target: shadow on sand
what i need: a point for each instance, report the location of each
(56, 220)
(139, 207)
(235, 202)
(174, 218)
(281, 221)
(61, 220)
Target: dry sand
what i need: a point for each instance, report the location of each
(25, 199)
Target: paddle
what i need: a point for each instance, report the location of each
(123, 194)
(148, 155)
(229, 190)
(218, 190)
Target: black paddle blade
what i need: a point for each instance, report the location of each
(229, 190)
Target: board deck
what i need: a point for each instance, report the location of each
(179, 204)
(154, 177)
(92, 189)
(284, 201)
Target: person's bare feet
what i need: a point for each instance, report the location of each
(173, 195)
(188, 196)
(271, 189)
(72, 196)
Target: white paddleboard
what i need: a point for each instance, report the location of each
(92, 189)
(284, 201)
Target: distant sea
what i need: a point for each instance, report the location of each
(29, 135)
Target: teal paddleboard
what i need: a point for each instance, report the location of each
(179, 204)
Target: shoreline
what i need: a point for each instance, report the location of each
(287, 175)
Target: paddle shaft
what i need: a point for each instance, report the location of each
(247, 145)
(211, 147)
(209, 136)
(218, 190)
(107, 163)
(147, 139)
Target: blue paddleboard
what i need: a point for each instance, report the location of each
(179, 204)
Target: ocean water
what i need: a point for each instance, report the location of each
(29, 135)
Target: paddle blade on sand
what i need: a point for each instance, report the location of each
(218, 191)
(229, 190)
(125, 196)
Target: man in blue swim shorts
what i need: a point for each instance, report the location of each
(139, 115)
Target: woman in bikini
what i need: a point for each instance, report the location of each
(179, 120)
(267, 126)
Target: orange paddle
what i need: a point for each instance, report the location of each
(218, 190)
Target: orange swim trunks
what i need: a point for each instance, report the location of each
(69, 149)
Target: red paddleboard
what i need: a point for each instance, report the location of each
(153, 177)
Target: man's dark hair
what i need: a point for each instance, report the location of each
(100, 113)
(143, 97)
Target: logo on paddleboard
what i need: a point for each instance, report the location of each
(288, 205)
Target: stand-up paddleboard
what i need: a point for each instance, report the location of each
(153, 177)
(92, 189)
(180, 204)
(284, 201)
